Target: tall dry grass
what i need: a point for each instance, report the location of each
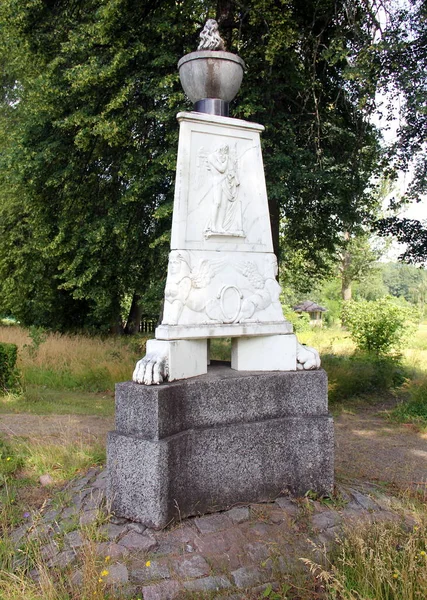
(73, 361)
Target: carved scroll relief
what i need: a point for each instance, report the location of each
(236, 288)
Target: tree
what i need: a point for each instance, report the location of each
(398, 64)
(90, 95)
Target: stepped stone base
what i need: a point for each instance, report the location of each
(204, 444)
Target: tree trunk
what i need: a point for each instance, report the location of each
(345, 272)
(346, 290)
(134, 317)
(225, 18)
(275, 225)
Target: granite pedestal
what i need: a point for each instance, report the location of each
(205, 444)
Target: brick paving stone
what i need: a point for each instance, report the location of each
(18, 534)
(167, 590)
(212, 523)
(218, 543)
(94, 499)
(259, 589)
(138, 527)
(258, 551)
(238, 514)
(111, 549)
(247, 577)
(71, 512)
(363, 500)
(329, 536)
(73, 539)
(50, 515)
(88, 517)
(228, 561)
(49, 551)
(179, 540)
(191, 566)
(118, 520)
(117, 575)
(325, 520)
(144, 542)
(207, 584)
(77, 578)
(113, 532)
(62, 560)
(287, 505)
(277, 515)
(140, 573)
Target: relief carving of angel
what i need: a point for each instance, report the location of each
(266, 289)
(186, 286)
(221, 167)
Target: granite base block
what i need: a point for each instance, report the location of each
(210, 460)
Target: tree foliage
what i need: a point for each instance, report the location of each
(88, 136)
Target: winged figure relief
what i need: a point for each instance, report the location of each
(186, 286)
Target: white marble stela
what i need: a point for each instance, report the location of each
(222, 271)
(220, 194)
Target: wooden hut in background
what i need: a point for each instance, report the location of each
(314, 310)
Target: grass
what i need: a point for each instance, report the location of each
(64, 374)
(41, 400)
(377, 561)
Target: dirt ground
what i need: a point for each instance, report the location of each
(368, 446)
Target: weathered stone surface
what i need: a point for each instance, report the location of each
(138, 527)
(49, 551)
(288, 505)
(238, 514)
(112, 550)
(326, 520)
(207, 584)
(212, 468)
(88, 517)
(212, 523)
(112, 531)
(73, 539)
(167, 590)
(246, 577)
(117, 575)
(191, 566)
(143, 542)
(257, 552)
(157, 412)
(363, 500)
(141, 573)
(63, 559)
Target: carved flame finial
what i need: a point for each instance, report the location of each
(210, 38)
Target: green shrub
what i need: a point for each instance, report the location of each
(8, 372)
(361, 374)
(300, 322)
(413, 410)
(378, 326)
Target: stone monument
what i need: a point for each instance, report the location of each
(202, 440)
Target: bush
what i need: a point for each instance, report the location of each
(361, 374)
(413, 410)
(8, 372)
(300, 322)
(378, 326)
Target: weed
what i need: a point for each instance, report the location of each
(379, 561)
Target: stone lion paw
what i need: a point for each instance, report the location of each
(307, 358)
(152, 369)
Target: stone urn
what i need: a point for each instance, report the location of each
(210, 76)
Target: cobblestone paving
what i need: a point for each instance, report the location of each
(234, 554)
